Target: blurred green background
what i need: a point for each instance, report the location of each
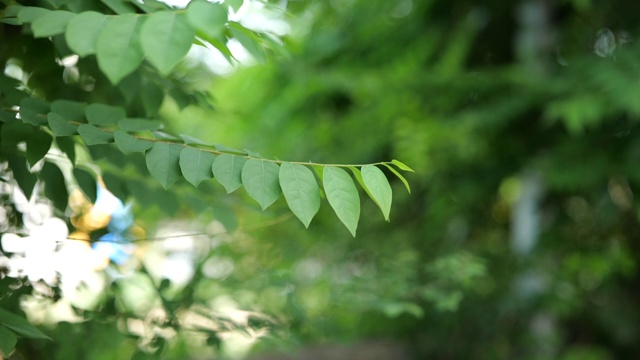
(519, 237)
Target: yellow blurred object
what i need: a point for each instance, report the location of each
(137, 231)
(79, 235)
(95, 219)
(78, 203)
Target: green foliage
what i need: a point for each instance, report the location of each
(162, 36)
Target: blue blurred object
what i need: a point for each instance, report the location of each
(115, 247)
(121, 219)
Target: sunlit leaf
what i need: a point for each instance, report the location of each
(343, 197)
(163, 163)
(93, 135)
(82, 32)
(227, 169)
(118, 48)
(234, 4)
(166, 38)
(51, 23)
(129, 144)
(379, 188)
(260, 178)
(28, 14)
(196, 165)
(300, 190)
(207, 17)
(404, 181)
(401, 165)
(249, 40)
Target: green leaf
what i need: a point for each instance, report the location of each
(15, 132)
(227, 169)
(20, 325)
(222, 48)
(163, 163)
(234, 4)
(87, 183)
(379, 188)
(134, 124)
(196, 165)
(120, 6)
(401, 165)
(129, 144)
(60, 126)
(32, 111)
(166, 38)
(358, 175)
(207, 17)
(343, 197)
(224, 214)
(26, 179)
(30, 13)
(55, 187)
(300, 190)
(260, 178)
(93, 135)
(38, 144)
(67, 146)
(190, 140)
(51, 23)
(8, 341)
(118, 48)
(104, 115)
(404, 181)
(152, 97)
(249, 40)
(69, 110)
